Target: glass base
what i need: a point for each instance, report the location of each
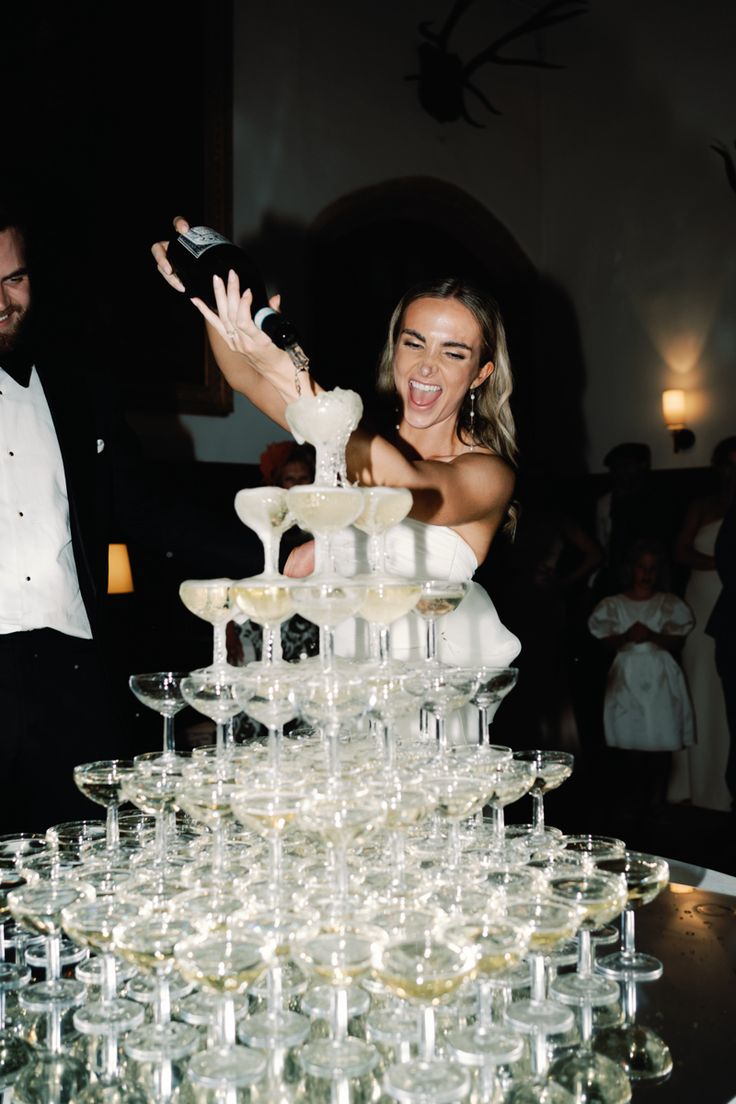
(108, 1017)
(480, 1046)
(161, 1042)
(144, 989)
(422, 1080)
(112, 1092)
(13, 977)
(591, 1078)
(269, 1030)
(226, 1067)
(70, 953)
(640, 1052)
(200, 1008)
(580, 989)
(45, 996)
(317, 1002)
(603, 937)
(56, 1078)
(539, 1092)
(329, 1058)
(90, 972)
(546, 1016)
(15, 1054)
(632, 967)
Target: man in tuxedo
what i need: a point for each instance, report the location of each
(71, 480)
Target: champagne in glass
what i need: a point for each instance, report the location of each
(265, 510)
(383, 508)
(326, 421)
(324, 511)
(210, 600)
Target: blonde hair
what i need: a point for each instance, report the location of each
(493, 423)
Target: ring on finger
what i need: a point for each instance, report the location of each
(231, 333)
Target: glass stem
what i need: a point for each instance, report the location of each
(440, 731)
(453, 839)
(2, 941)
(629, 1001)
(538, 1055)
(271, 652)
(322, 555)
(398, 856)
(162, 1002)
(110, 1056)
(219, 644)
(161, 834)
(341, 871)
(586, 1024)
(109, 982)
(53, 1029)
(218, 847)
(2, 1010)
(539, 977)
(327, 647)
(498, 825)
(220, 740)
(427, 1034)
(112, 831)
(274, 749)
(538, 815)
(384, 645)
(270, 554)
(275, 988)
(227, 1012)
(275, 858)
(168, 734)
(484, 735)
(340, 1014)
(485, 1003)
(431, 640)
(53, 956)
(585, 954)
(628, 934)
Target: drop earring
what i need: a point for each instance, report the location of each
(472, 418)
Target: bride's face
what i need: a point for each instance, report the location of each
(436, 359)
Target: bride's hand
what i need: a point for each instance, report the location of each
(159, 255)
(234, 323)
(300, 561)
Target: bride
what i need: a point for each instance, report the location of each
(446, 365)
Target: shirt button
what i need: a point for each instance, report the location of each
(28, 578)
(20, 513)
(10, 453)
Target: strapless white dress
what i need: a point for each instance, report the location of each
(471, 635)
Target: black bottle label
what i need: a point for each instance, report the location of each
(198, 239)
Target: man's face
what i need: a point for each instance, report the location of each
(15, 290)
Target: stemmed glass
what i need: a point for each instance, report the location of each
(494, 683)
(329, 700)
(424, 971)
(152, 787)
(511, 780)
(15, 1053)
(327, 602)
(440, 690)
(646, 876)
(326, 421)
(438, 598)
(224, 964)
(265, 510)
(102, 782)
(160, 691)
(324, 511)
(385, 600)
(268, 601)
(148, 943)
(636, 1048)
(602, 897)
(210, 600)
(212, 693)
(553, 768)
(340, 954)
(269, 695)
(383, 508)
(268, 811)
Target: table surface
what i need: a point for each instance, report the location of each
(692, 1007)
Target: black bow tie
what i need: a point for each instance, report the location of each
(18, 364)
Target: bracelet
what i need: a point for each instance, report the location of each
(300, 360)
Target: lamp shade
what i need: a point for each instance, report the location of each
(119, 575)
(673, 408)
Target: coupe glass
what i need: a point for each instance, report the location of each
(152, 787)
(265, 510)
(646, 876)
(224, 964)
(327, 602)
(148, 943)
(160, 691)
(212, 693)
(511, 780)
(383, 508)
(438, 598)
(338, 954)
(494, 683)
(331, 700)
(15, 1053)
(270, 696)
(425, 971)
(91, 924)
(550, 923)
(210, 600)
(324, 511)
(268, 811)
(326, 421)
(267, 600)
(38, 908)
(385, 600)
(553, 768)
(441, 690)
(102, 782)
(602, 897)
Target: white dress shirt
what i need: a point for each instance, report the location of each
(39, 588)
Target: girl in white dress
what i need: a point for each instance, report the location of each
(446, 367)
(647, 705)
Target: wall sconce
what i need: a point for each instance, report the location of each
(673, 409)
(119, 575)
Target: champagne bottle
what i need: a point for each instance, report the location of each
(201, 253)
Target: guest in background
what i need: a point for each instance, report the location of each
(647, 710)
(722, 627)
(633, 508)
(699, 772)
(287, 464)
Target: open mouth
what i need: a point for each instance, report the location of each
(423, 394)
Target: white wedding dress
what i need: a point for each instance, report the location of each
(472, 635)
(699, 773)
